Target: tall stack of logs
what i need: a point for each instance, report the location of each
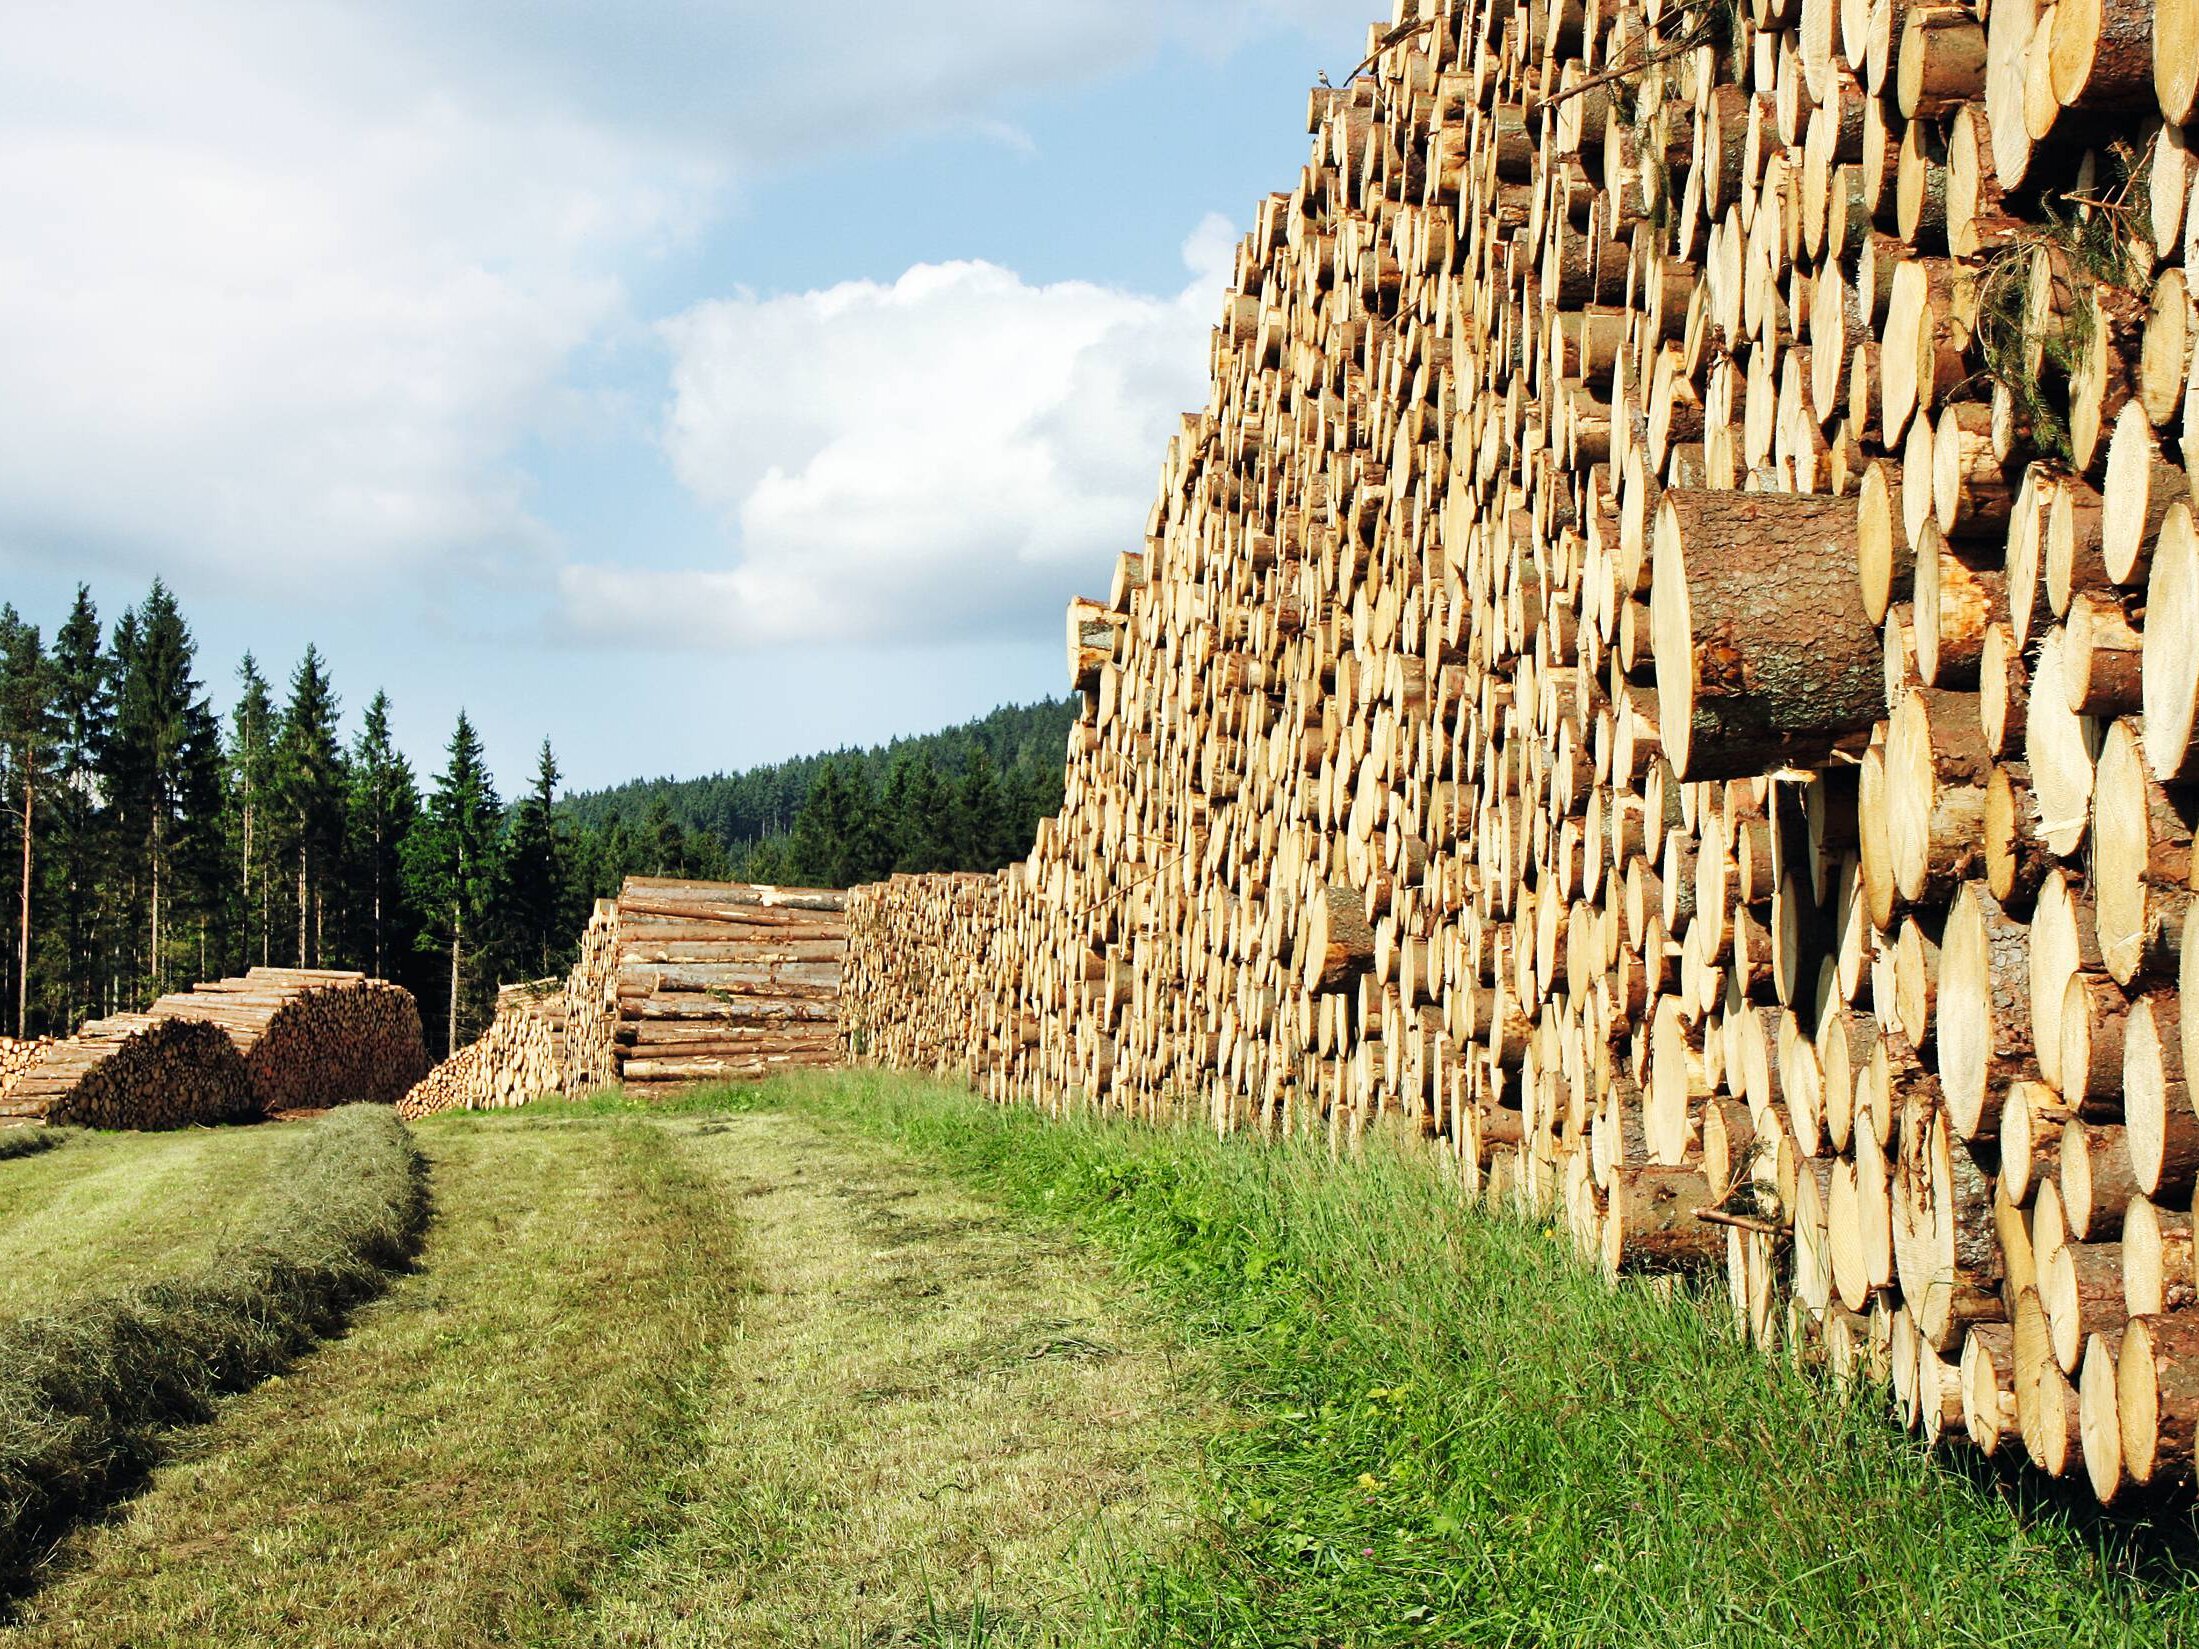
(520, 1057)
(684, 982)
(1669, 661)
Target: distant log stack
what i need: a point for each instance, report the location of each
(312, 1038)
(590, 1053)
(520, 1057)
(134, 1071)
(713, 981)
(1669, 662)
(16, 1057)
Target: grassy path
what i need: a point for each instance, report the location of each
(746, 1380)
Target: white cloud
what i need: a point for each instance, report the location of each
(273, 302)
(286, 289)
(914, 461)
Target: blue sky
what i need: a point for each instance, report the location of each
(695, 382)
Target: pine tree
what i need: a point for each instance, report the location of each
(309, 794)
(451, 870)
(163, 773)
(84, 723)
(27, 738)
(536, 905)
(252, 728)
(381, 810)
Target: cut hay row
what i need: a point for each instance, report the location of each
(1669, 662)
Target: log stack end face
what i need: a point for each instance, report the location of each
(1668, 664)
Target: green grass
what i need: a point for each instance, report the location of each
(848, 1360)
(1450, 1431)
(118, 1209)
(91, 1389)
(670, 1379)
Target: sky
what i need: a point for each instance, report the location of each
(691, 382)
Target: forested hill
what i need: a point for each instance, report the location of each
(967, 797)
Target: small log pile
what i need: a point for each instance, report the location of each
(16, 1057)
(1669, 662)
(591, 1006)
(134, 1071)
(312, 1038)
(520, 1057)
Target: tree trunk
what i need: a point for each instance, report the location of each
(23, 957)
(450, 1029)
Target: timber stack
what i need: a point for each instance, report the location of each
(681, 982)
(520, 1057)
(1669, 662)
(134, 1071)
(312, 1038)
(16, 1057)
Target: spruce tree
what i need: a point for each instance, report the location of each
(536, 905)
(252, 728)
(309, 798)
(163, 774)
(27, 738)
(451, 872)
(84, 708)
(982, 837)
(381, 810)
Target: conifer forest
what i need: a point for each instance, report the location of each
(152, 840)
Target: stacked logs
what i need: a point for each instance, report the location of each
(134, 1071)
(16, 1057)
(1669, 662)
(591, 1004)
(312, 1038)
(520, 1057)
(716, 981)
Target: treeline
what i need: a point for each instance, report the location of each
(150, 843)
(966, 798)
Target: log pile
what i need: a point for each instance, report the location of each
(1669, 662)
(591, 1004)
(520, 1057)
(312, 1038)
(689, 982)
(16, 1057)
(134, 1071)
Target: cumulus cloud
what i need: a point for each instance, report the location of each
(917, 461)
(286, 290)
(274, 301)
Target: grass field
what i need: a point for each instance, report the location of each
(739, 1380)
(861, 1361)
(112, 1210)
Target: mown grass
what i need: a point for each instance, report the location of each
(510, 1423)
(114, 1210)
(935, 1421)
(668, 1380)
(1450, 1431)
(90, 1389)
